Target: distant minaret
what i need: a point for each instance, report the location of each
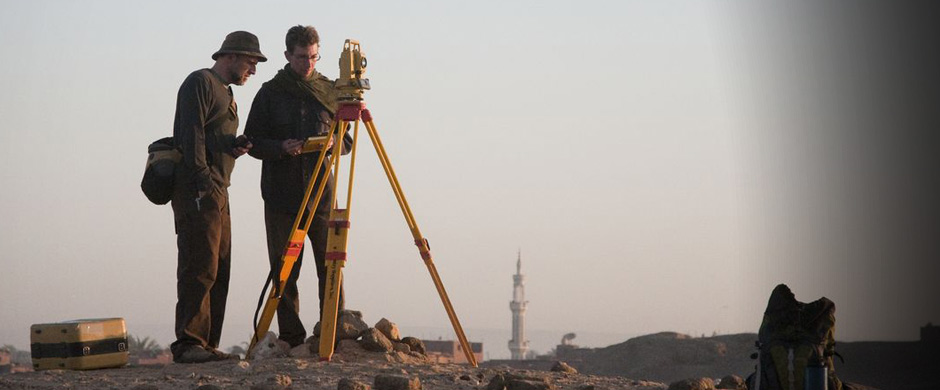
(518, 346)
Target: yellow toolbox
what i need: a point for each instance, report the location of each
(79, 344)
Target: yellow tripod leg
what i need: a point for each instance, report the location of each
(420, 241)
(335, 261)
(292, 250)
(337, 238)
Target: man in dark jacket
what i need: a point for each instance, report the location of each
(296, 104)
(204, 129)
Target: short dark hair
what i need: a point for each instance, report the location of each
(302, 36)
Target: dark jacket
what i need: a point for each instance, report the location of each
(204, 129)
(276, 115)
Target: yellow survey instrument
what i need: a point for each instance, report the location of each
(352, 110)
(352, 66)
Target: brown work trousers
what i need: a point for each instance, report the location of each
(278, 225)
(203, 237)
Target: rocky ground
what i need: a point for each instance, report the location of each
(379, 372)
(379, 358)
(365, 358)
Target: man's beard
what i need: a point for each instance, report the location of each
(239, 78)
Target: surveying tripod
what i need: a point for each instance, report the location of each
(351, 109)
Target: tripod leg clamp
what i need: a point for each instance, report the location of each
(424, 248)
(336, 240)
(294, 249)
(336, 256)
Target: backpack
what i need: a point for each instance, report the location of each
(793, 335)
(160, 172)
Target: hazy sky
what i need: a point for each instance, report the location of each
(661, 165)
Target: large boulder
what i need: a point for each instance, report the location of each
(389, 329)
(375, 341)
(416, 345)
(350, 325)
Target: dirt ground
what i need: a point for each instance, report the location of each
(306, 373)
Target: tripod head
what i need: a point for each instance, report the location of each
(352, 66)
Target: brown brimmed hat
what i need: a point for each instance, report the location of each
(241, 42)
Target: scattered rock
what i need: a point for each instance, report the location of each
(409, 358)
(349, 384)
(505, 381)
(564, 367)
(467, 378)
(402, 347)
(348, 346)
(373, 340)
(274, 382)
(350, 325)
(314, 340)
(693, 384)
(301, 351)
(242, 366)
(416, 345)
(270, 347)
(389, 329)
(396, 382)
(732, 382)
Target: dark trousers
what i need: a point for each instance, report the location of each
(278, 225)
(203, 237)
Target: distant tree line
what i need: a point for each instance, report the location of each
(18, 357)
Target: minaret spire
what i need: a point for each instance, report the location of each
(518, 346)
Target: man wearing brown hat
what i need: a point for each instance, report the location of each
(204, 129)
(296, 104)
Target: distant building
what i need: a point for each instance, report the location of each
(450, 351)
(5, 364)
(518, 346)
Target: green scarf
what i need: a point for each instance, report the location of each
(317, 86)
